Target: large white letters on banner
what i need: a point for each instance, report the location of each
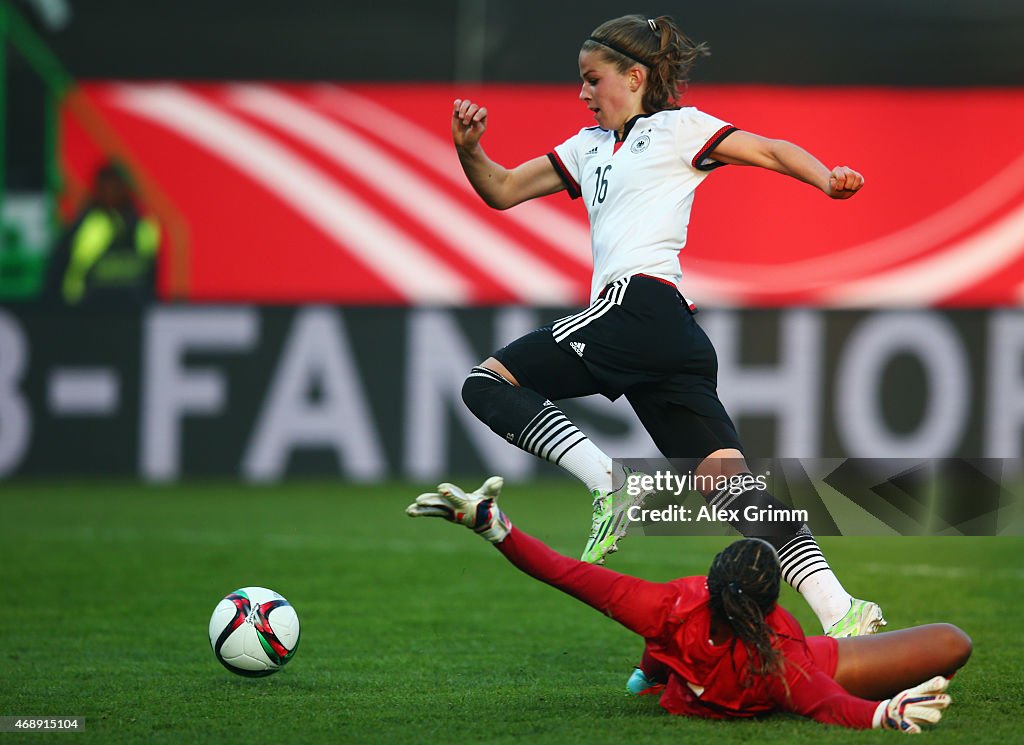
(15, 419)
(876, 341)
(315, 356)
(170, 390)
(218, 390)
(1004, 405)
(789, 391)
(439, 358)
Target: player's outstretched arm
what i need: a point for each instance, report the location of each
(747, 149)
(498, 186)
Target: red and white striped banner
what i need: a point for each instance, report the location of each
(353, 194)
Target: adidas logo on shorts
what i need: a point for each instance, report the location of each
(578, 347)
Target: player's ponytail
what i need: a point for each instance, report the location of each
(656, 43)
(743, 582)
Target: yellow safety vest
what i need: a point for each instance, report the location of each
(92, 262)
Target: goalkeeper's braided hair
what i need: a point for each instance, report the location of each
(743, 582)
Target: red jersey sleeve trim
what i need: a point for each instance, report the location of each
(711, 144)
(570, 183)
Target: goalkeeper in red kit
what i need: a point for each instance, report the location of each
(720, 646)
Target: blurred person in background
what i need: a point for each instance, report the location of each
(107, 256)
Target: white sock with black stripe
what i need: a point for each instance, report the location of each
(554, 438)
(804, 567)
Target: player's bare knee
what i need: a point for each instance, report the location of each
(952, 644)
(956, 642)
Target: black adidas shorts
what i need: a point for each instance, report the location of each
(639, 339)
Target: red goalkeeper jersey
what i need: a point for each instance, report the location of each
(674, 619)
(708, 680)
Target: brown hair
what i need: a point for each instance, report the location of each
(656, 43)
(743, 582)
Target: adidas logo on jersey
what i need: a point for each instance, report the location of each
(592, 151)
(578, 347)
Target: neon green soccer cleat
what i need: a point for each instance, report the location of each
(611, 520)
(864, 617)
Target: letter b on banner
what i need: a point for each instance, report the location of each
(15, 420)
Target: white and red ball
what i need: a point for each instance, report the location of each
(254, 631)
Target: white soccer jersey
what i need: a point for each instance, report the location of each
(639, 192)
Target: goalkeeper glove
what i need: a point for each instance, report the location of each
(921, 704)
(477, 510)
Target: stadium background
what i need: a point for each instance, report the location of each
(306, 162)
(276, 147)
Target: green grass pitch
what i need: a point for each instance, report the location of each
(413, 631)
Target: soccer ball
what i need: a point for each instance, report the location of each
(254, 632)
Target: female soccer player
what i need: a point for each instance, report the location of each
(636, 172)
(720, 646)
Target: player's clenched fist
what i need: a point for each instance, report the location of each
(469, 120)
(844, 182)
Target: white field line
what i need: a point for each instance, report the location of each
(507, 263)
(399, 261)
(121, 535)
(942, 572)
(110, 535)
